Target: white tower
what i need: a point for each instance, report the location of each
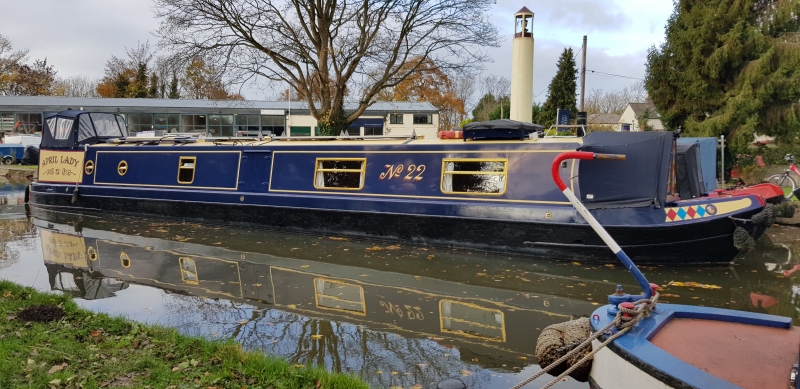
(522, 66)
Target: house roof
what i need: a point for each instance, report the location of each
(603, 118)
(638, 108)
(87, 103)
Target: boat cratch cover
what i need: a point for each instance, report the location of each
(500, 129)
(639, 181)
(69, 129)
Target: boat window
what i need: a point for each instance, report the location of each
(188, 270)
(63, 128)
(340, 173)
(186, 170)
(338, 295)
(474, 176)
(472, 320)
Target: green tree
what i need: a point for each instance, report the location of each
(174, 93)
(153, 91)
(502, 110)
(729, 68)
(536, 110)
(561, 92)
(138, 88)
(643, 119)
(484, 108)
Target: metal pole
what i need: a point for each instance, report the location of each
(583, 73)
(722, 164)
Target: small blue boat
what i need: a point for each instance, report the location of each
(680, 346)
(489, 191)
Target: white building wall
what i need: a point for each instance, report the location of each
(408, 127)
(300, 121)
(630, 117)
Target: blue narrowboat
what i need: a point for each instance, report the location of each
(489, 191)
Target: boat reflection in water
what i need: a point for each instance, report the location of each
(356, 307)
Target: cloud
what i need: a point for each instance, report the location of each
(545, 58)
(77, 37)
(575, 15)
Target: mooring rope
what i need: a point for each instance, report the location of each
(626, 318)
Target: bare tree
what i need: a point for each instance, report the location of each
(76, 86)
(497, 86)
(464, 86)
(600, 101)
(288, 40)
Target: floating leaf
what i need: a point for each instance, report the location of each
(374, 248)
(304, 266)
(669, 295)
(576, 263)
(393, 247)
(316, 336)
(691, 284)
(337, 238)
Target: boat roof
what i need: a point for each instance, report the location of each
(306, 141)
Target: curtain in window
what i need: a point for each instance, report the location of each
(63, 128)
(447, 179)
(320, 179)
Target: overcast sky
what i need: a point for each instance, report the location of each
(79, 36)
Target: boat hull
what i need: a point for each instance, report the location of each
(705, 242)
(681, 346)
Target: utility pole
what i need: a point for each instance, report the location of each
(583, 74)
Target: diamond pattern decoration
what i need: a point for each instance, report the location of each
(701, 211)
(676, 214)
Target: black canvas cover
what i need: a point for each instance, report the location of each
(70, 129)
(690, 172)
(500, 129)
(639, 181)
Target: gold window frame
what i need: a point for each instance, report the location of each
(362, 171)
(363, 302)
(196, 280)
(181, 161)
(502, 327)
(504, 173)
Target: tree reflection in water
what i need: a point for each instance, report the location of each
(381, 358)
(16, 235)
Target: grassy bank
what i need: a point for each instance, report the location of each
(63, 346)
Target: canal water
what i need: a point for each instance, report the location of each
(396, 315)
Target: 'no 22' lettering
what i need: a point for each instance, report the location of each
(413, 173)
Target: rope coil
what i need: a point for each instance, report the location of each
(624, 321)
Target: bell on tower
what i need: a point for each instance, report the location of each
(522, 67)
(522, 23)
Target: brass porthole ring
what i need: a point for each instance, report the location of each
(89, 167)
(122, 168)
(548, 215)
(125, 260)
(92, 253)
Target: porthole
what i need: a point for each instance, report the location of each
(122, 168)
(125, 260)
(89, 167)
(92, 253)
